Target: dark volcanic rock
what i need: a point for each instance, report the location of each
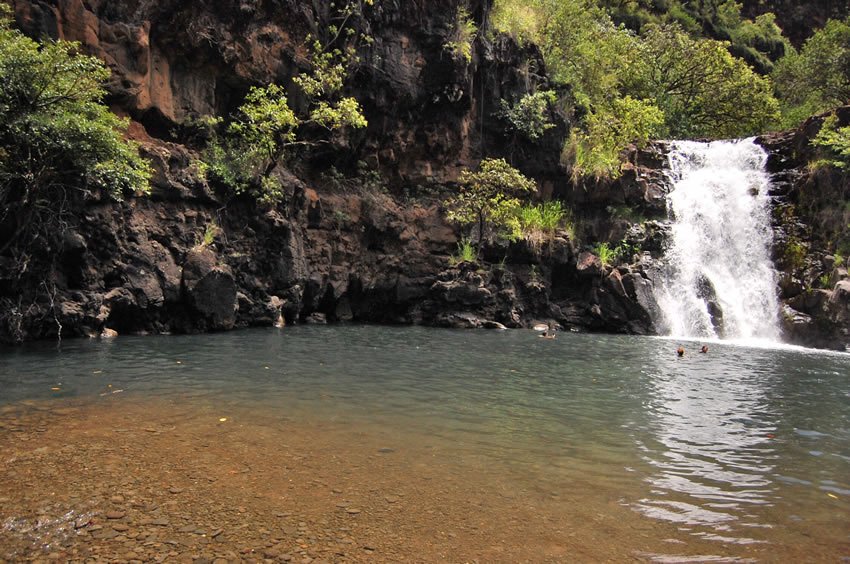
(810, 220)
(328, 252)
(210, 288)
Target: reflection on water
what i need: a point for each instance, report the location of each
(740, 446)
(712, 444)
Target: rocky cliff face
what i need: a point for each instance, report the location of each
(812, 223)
(355, 247)
(344, 248)
(429, 111)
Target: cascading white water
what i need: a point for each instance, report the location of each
(719, 280)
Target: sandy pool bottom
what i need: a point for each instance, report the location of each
(128, 479)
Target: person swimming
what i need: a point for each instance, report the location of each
(680, 351)
(704, 349)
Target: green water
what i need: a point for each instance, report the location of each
(738, 446)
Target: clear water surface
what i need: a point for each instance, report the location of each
(740, 445)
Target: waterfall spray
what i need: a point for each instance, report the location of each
(719, 280)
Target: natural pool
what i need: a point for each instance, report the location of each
(346, 443)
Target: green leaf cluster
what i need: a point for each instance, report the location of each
(465, 252)
(628, 87)
(461, 36)
(609, 255)
(700, 87)
(594, 151)
(835, 141)
(759, 42)
(537, 223)
(606, 254)
(530, 116)
(58, 141)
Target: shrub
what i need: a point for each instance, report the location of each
(265, 130)
(605, 253)
(530, 116)
(58, 141)
(462, 36)
(795, 254)
(835, 141)
(595, 152)
(211, 231)
(537, 223)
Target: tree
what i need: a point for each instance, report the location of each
(58, 142)
(628, 88)
(702, 89)
(583, 48)
(258, 138)
(596, 150)
(817, 78)
(490, 195)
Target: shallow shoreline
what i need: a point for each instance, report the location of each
(124, 478)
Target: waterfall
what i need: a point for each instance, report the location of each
(718, 279)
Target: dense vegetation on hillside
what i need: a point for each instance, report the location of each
(641, 69)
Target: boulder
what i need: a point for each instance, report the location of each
(588, 264)
(210, 288)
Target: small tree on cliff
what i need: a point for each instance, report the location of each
(489, 196)
(58, 142)
(266, 129)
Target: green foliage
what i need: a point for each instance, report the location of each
(211, 231)
(795, 254)
(58, 141)
(606, 254)
(629, 87)
(839, 260)
(465, 252)
(759, 42)
(462, 36)
(536, 223)
(825, 281)
(520, 20)
(583, 48)
(489, 196)
(596, 150)
(817, 78)
(835, 140)
(266, 129)
(530, 116)
(702, 90)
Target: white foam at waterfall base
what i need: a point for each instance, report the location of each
(721, 232)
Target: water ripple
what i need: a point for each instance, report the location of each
(722, 443)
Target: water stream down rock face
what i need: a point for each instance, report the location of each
(719, 280)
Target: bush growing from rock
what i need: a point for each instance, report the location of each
(59, 143)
